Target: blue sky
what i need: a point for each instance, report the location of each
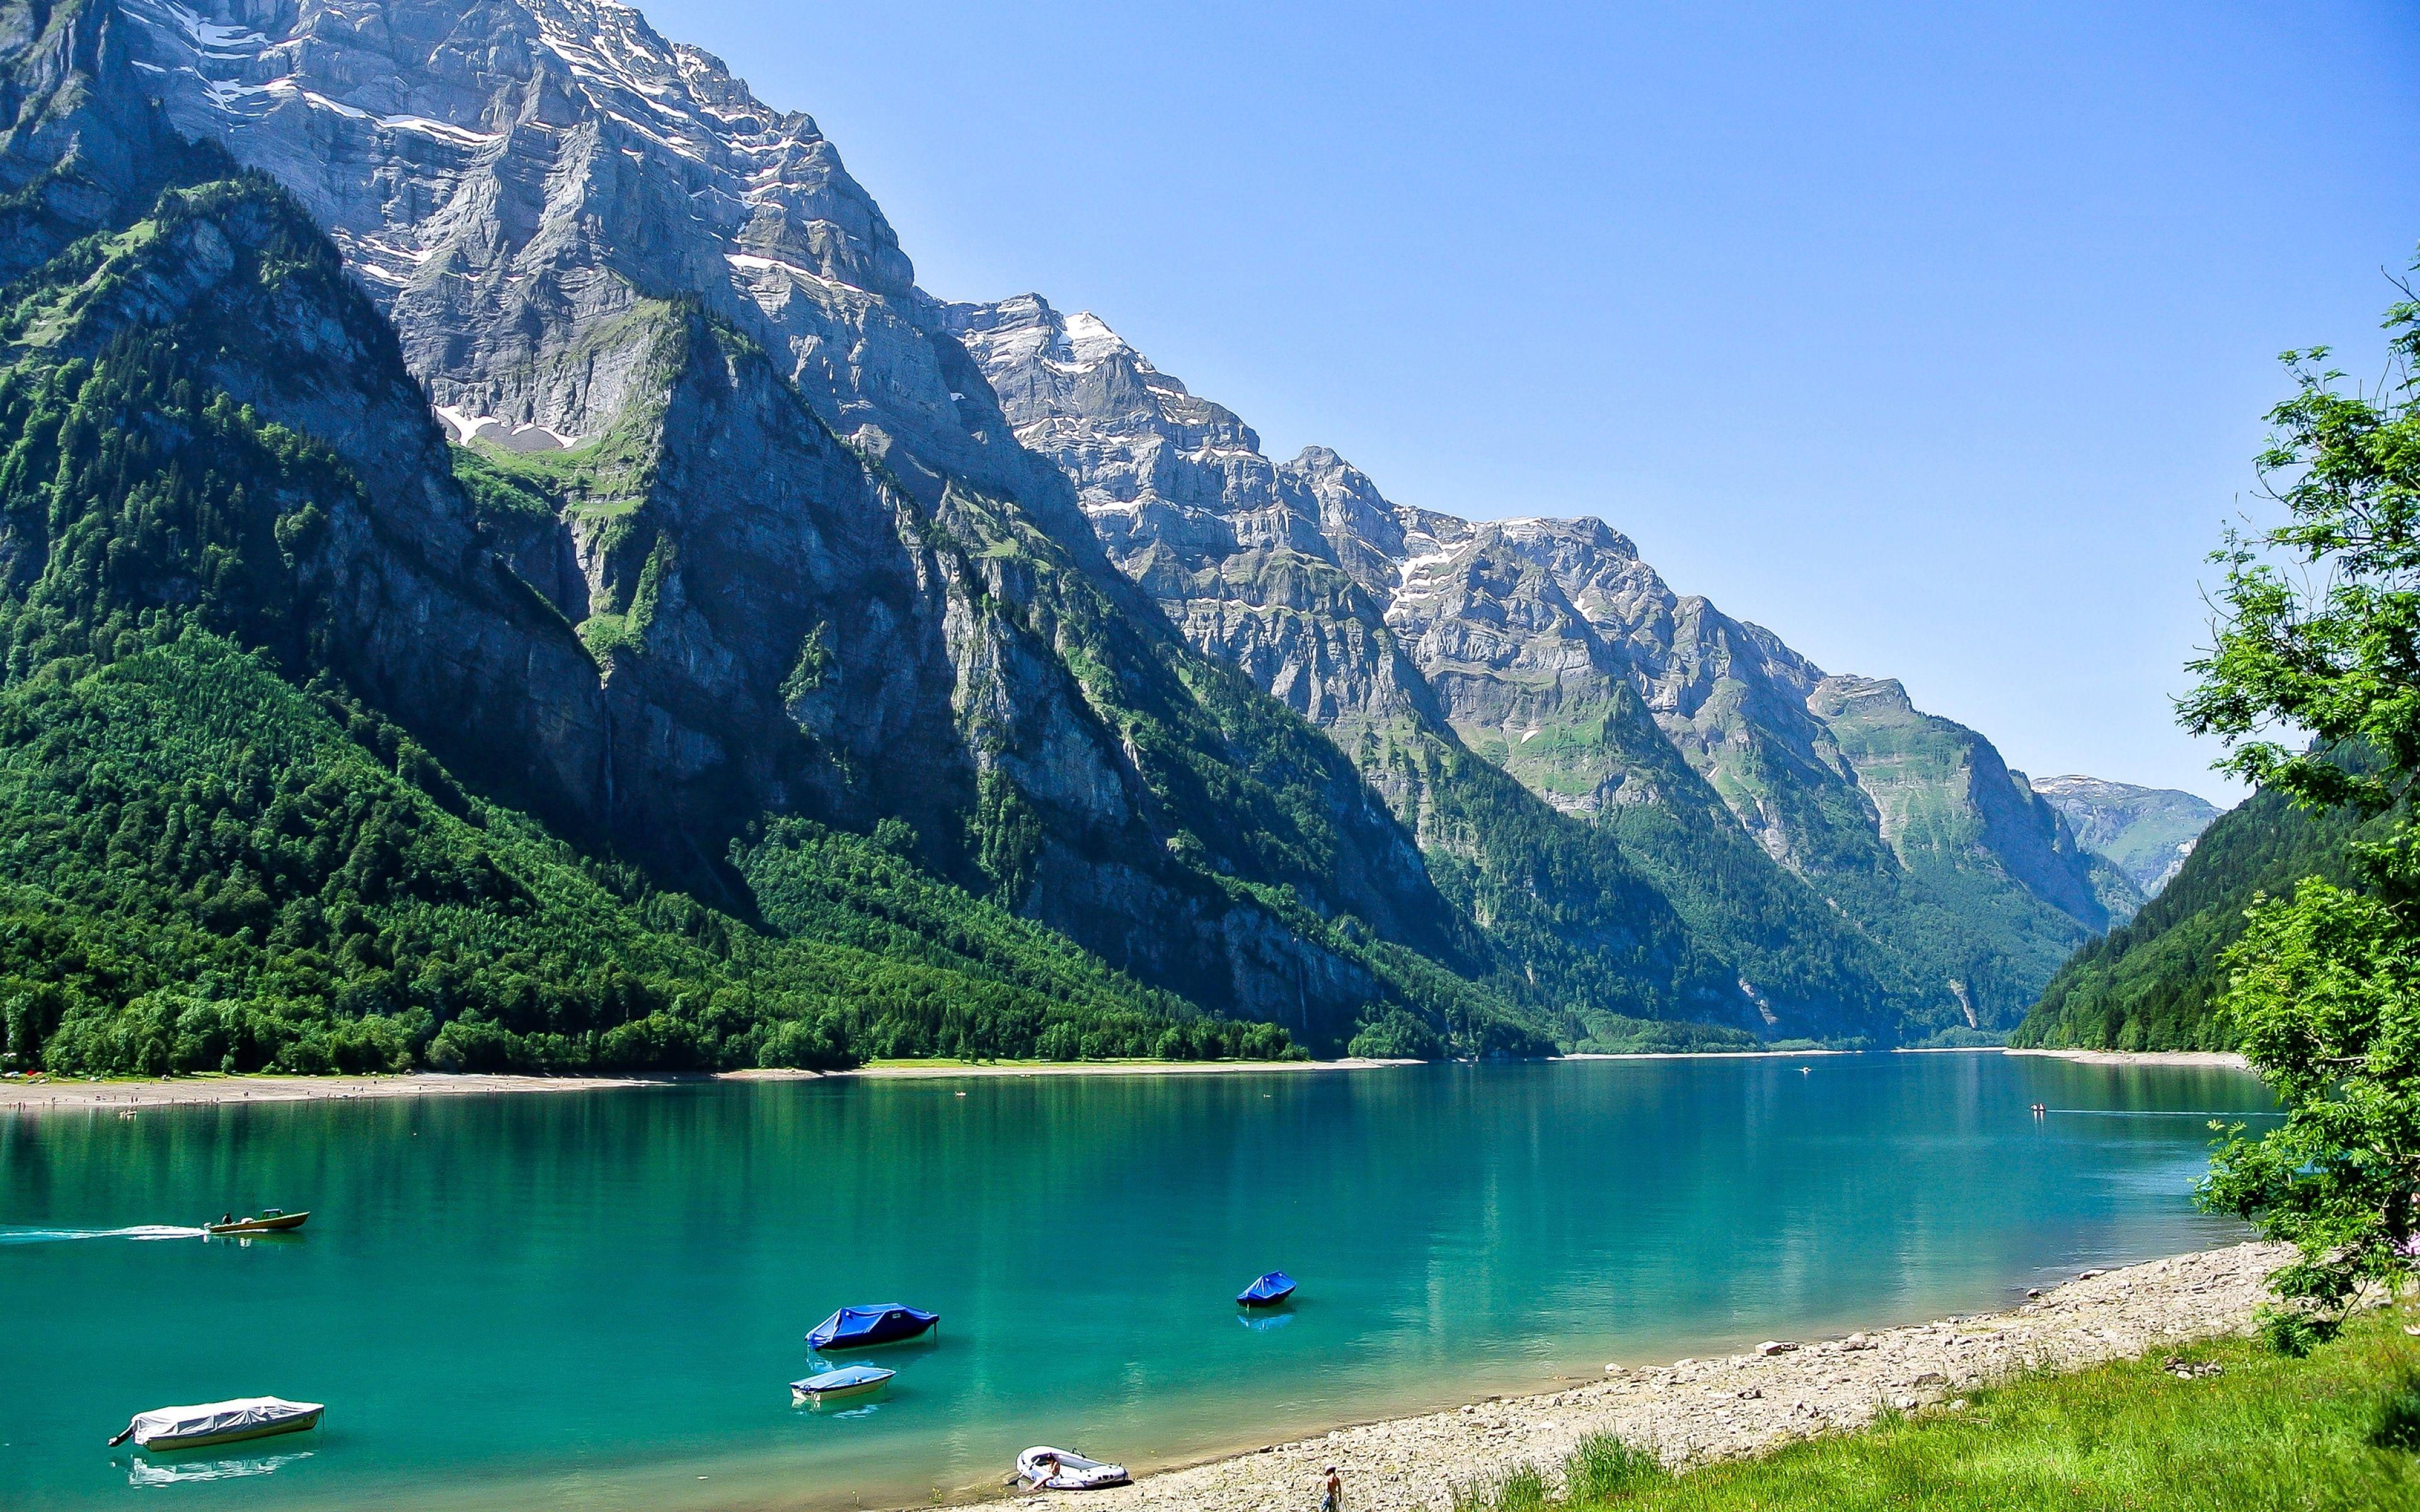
(1934, 338)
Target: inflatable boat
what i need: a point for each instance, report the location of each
(1045, 1469)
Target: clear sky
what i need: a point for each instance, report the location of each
(1934, 338)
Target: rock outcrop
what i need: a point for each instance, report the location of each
(1553, 651)
(748, 536)
(2146, 833)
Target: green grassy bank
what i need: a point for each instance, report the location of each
(2339, 1429)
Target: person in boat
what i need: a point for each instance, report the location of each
(1046, 1470)
(226, 1218)
(1331, 1496)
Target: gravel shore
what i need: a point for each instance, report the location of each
(67, 1094)
(2225, 1060)
(1698, 1410)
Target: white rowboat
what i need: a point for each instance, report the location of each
(245, 1417)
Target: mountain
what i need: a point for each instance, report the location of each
(570, 426)
(1837, 844)
(2147, 833)
(513, 372)
(2150, 985)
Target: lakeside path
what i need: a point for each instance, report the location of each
(67, 1094)
(1698, 1410)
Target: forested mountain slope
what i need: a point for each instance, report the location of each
(2150, 985)
(713, 612)
(514, 381)
(1832, 840)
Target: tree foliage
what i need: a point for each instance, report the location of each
(2318, 634)
(208, 869)
(2155, 982)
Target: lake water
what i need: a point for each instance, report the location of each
(595, 1299)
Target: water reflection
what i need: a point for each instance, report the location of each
(141, 1472)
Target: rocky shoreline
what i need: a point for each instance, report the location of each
(1693, 1410)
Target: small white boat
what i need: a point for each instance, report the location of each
(1045, 1469)
(848, 1381)
(245, 1417)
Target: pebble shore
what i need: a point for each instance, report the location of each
(1693, 1410)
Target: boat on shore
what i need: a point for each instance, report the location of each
(268, 1220)
(835, 1385)
(1045, 1469)
(227, 1422)
(881, 1322)
(1268, 1291)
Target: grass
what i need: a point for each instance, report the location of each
(2339, 1429)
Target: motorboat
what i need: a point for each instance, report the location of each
(1268, 1291)
(245, 1417)
(268, 1220)
(1045, 1469)
(881, 1322)
(848, 1381)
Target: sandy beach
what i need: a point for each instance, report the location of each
(1693, 1410)
(2226, 1059)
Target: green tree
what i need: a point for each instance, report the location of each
(2314, 684)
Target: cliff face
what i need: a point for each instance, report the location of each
(683, 508)
(741, 537)
(1551, 649)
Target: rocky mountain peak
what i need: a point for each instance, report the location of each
(2147, 833)
(1548, 646)
(810, 540)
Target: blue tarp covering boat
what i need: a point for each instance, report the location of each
(881, 1322)
(1268, 1291)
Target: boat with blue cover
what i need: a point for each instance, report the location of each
(848, 1381)
(881, 1322)
(1268, 1291)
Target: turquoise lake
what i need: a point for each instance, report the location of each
(595, 1299)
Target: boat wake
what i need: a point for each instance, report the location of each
(60, 1236)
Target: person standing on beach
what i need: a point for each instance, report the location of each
(1331, 1497)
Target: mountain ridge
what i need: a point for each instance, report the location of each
(693, 515)
(2145, 832)
(1550, 649)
